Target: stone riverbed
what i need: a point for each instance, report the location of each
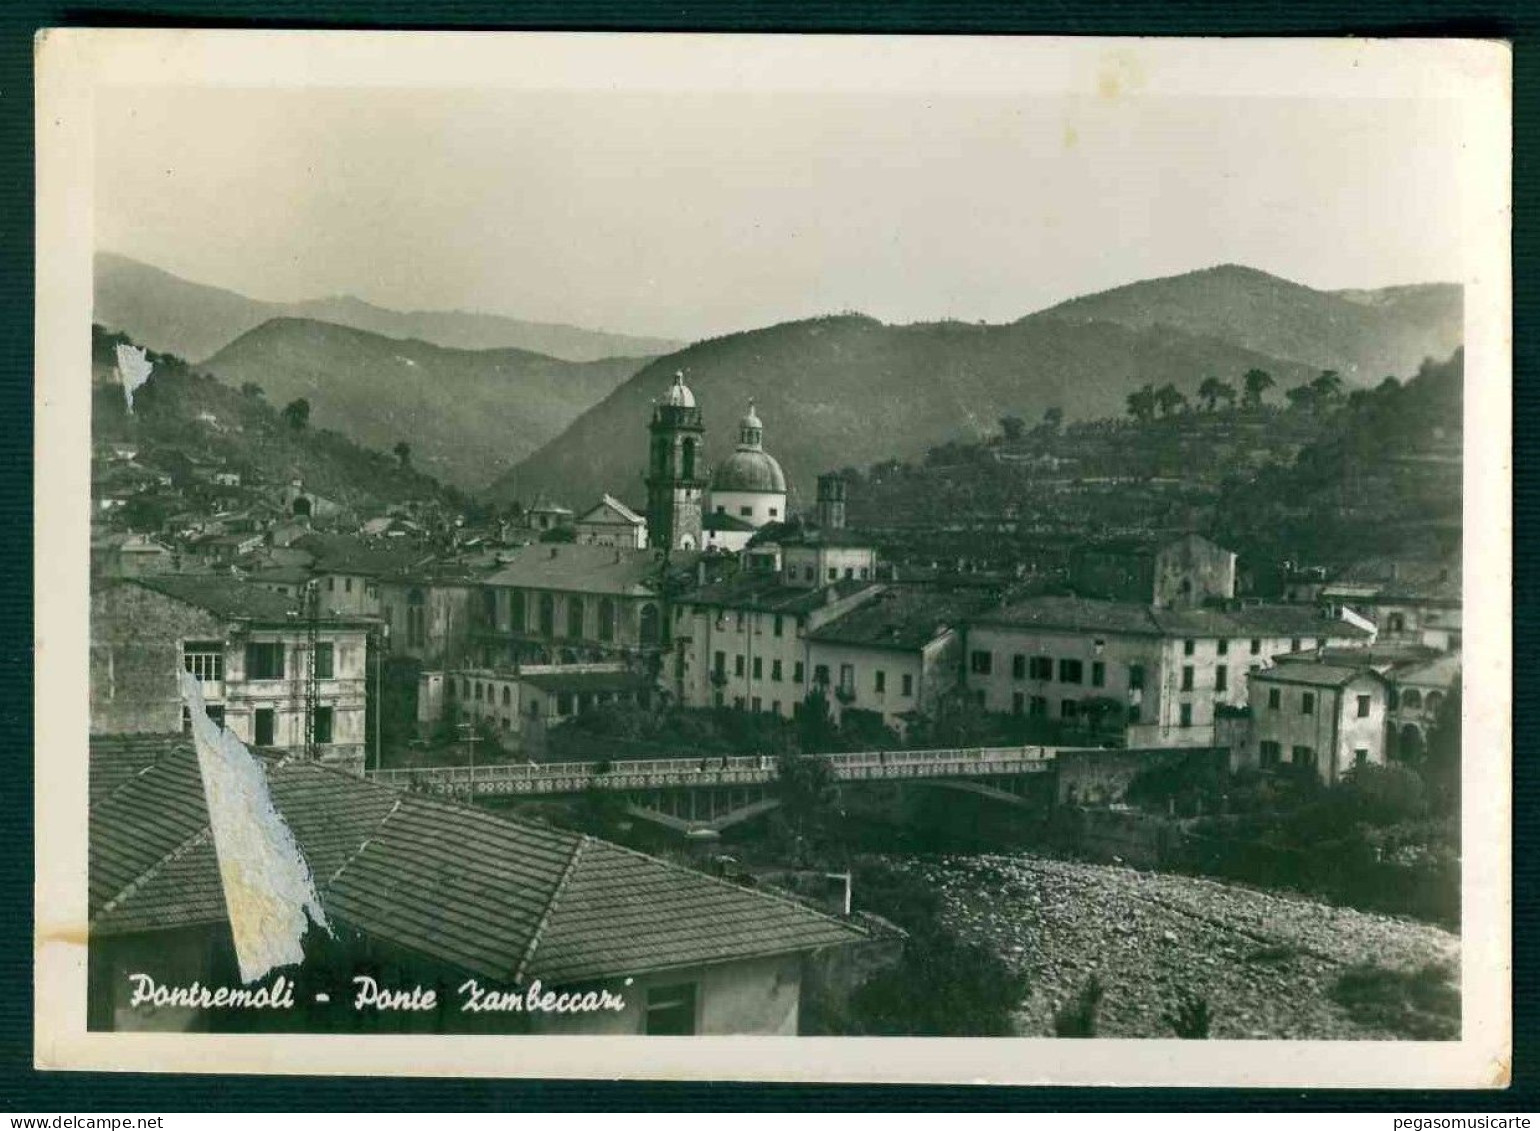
(1265, 961)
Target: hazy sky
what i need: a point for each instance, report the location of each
(692, 214)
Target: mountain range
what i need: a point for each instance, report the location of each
(467, 414)
(191, 320)
(849, 390)
(835, 391)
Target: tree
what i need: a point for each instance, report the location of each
(253, 390)
(1328, 387)
(1168, 399)
(1256, 382)
(1301, 398)
(804, 784)
(403, 452)
(1101, 712)
(1077, 1018)
(1012, 428)
(1141, 403)
(1191, 1018)
(1213, 390)
(1053, 419)
(296, 414)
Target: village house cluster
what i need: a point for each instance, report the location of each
(333, 643)
(713, 595)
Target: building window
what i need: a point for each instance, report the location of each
(547, 615)
(981, 663)
(1041, 667)
(321, 721)
(1274, 699)
(738, 620)
(347, 585)
(1068, 709)
(1307, 703)
(1363, 706)
(1256, 646)
(906, 686)
(325, 661)
(205, 660)
(371, 589)
(1018, 666)
(759, 667)
(1133, 712)
(756, 704)
(1294, 644)
(737, 702)
(778, 630)
(263, 720)
(606, 619)
(507, 697)
(1188, 646)
(1098, 674)
(833, 574)
(796, 672)
(848, 677)
(264, 661)
(850, 573)
(775, 512)
(331, 584)
(880, 681)
(670, 1011)
(1185, 715)
(1018, 703)
(745, 512)
(820, 674)
(1071, 671)
(1269, 754)
(1136, 677)
(1221, 678)
(1187, 677)
(807, 573)
(563, 703)
(1037, 708)
(775, 671)
(737, 665)
(478, 691)
(1224, 647)
(575, 618)
(719, 664)
(1303, 756)
(1360, 756)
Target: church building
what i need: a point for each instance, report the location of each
(745, 492)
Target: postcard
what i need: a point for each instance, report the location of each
(754, 557)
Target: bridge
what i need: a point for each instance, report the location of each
(715, 792)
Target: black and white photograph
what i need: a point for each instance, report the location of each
(620, 536)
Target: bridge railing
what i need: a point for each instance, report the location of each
(750, 769)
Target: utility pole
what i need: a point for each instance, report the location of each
(471, 738)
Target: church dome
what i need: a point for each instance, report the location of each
(749, 470)
(679, 394)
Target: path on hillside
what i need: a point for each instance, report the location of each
(1265, 961)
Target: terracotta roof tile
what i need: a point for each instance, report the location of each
(486, 893)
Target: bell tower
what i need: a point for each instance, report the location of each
(675, 470)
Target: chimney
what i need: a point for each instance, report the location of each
(831, 501)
